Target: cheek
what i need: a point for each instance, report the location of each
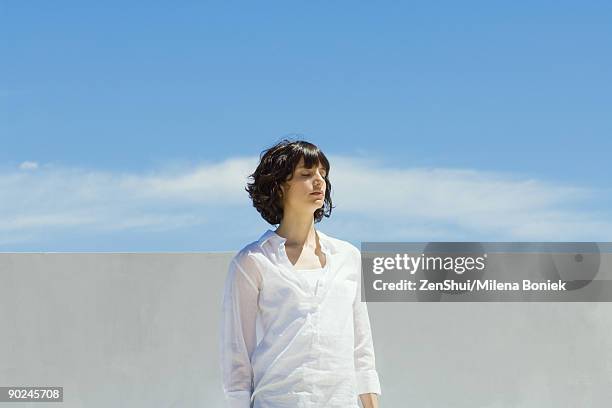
(297, 190)
(301, 187)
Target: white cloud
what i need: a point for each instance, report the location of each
(406, 202)
(483, 203)
(28, 165)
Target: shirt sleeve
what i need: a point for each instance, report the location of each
(238, 331)
(365, 367)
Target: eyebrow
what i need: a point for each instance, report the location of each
(301, 166)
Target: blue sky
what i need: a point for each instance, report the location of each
(127, 126)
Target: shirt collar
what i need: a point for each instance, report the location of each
(276, 240)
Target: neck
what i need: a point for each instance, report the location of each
(298, 230)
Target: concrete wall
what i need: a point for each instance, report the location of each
(140, 330)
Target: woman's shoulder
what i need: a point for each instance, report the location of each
(247, 262)
(340, 245)
(249, 254)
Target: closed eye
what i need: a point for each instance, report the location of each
(323, 174)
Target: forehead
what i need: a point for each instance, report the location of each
(300, 165)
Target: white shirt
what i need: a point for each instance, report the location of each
(312, 277)
(285, 346)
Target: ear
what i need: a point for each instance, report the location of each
(281, 193)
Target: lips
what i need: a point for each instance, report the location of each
(317, 193)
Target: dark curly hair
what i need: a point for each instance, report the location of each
(276, 165)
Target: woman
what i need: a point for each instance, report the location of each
(294, 332)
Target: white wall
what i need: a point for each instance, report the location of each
(140, 330)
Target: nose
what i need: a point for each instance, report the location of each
(319, 180)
